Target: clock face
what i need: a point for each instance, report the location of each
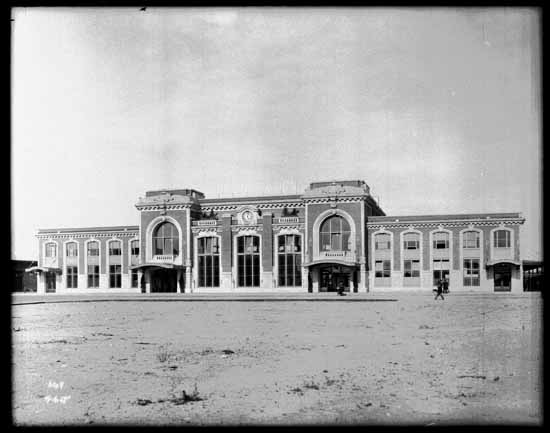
(247, 216)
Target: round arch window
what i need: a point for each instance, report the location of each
(166, 239)
(334, 234)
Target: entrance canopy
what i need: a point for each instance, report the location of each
(42, 269)
(496, 262)
(331, 261)
(144, 266)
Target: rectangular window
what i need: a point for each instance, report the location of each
(72, 277)
(208, 261)
(411, 268)
(441, 268)
(470, 240)
(471, 272)
(134, 278)
(382, 242)
(93, 276)
(502, 239)
(115, 276)
(135, 248)
(382, 269)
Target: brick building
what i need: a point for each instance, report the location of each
(333, 233)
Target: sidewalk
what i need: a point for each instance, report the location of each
(33, 298)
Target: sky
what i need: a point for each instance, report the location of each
(438, 110)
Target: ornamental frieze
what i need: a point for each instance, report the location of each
(371, 226)
(87, 235)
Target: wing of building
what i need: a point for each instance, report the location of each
(333, 234)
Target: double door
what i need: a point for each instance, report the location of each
(502, 277)
(50, 282)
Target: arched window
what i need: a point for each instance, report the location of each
(208, 252)
(166, 239)
(440, 240)
(93, 249)
(115, 248)
(248, 261)
(134, 248)
(51, 249)
(335, 234)
(289, 260)
(382, 241)
(470, 239)
(72, 249)
(502, 239)
(411, 241)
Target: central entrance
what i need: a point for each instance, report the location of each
(502, 277)
(50, 282)
(164, 281)
(332, 275)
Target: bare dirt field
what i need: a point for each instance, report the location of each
(472, 359)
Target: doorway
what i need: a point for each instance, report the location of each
(164, 281)
(50, 282)
(503, 277)
(332, 276)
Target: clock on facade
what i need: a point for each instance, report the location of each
(247, 216)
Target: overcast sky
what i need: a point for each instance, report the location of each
(438, 110)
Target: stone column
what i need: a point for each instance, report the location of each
(305, 274)
(363, 285)
(40, 283)
(140, 278)
(188, 277)
(181, 288)
(147, 281)
(267, 250)
(315, 280)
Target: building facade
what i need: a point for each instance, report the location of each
(333, 233)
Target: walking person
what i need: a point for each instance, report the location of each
(446, 285)
(341, 289)
(439, 289)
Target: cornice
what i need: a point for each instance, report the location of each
(430, 224)
(127, 234)
(221, 208)
(167, 207)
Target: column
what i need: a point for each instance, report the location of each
(40, 283)
(315, 280)
(147, 281)
(180, 286)
(362, 286)
(188, 277)
(140, 280)
(226, 279)
(267, 250)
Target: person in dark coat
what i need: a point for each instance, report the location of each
(439, 289)
(341, 288)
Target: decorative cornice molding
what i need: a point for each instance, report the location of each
(334, 200)
(167, 207)
(245, 229)
(439, 224)
(128, 234)
(200, 230)
(288, 227)
(222, 208)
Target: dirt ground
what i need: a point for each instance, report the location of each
(468, 359)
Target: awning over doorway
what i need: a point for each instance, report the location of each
(42, 269)
(331, 261)
(495, 262)
(144, 266)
